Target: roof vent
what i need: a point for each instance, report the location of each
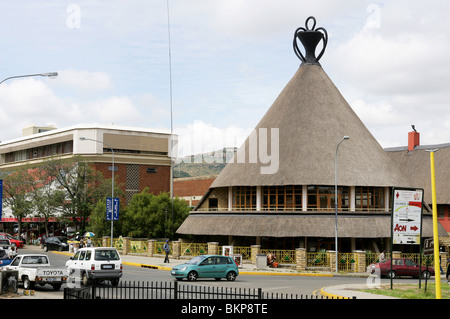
(310, 38)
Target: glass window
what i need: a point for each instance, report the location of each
(244, 198)
(106, 254)
(322, 198)
(281, 198)
(369, 198)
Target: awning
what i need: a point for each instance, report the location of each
(295, 225)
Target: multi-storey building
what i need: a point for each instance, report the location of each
(142, 157)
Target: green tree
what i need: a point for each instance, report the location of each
(150, 216)
(82, 185)
(17, 186)
(47, 200)
(98, 223)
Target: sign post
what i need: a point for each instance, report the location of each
(428, 250)
(406, 221)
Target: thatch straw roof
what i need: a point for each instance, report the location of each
(296, 225)
(312, 117)
(416, 167)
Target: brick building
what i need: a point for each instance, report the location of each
(142, 157)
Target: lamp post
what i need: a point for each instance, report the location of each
(112, 181)
(435, 226)
(336, 200)
(49, 74)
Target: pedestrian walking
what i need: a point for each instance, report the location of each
(167, 250)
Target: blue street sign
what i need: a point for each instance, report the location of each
(112, 208)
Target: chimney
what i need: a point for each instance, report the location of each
(413, 139)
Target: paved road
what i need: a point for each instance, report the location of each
(271, 284)
(301, 285)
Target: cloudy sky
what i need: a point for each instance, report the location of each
(230, 60)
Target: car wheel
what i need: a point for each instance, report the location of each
(56, 286)
(60, 248)
(45, 248)
(27, 283)
(391, 274)
(114, 282)
(85, 279)
(231, 276)
(192, 276)
(426, 274)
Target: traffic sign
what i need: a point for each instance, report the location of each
(407, 216)
(112, 208)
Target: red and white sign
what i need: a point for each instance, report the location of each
(407, 216)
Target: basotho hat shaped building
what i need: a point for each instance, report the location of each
(310, 117)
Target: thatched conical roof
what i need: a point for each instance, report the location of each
(312, 117)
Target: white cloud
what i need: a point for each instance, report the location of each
(84, 80)
(200, 137)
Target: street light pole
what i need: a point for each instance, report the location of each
(112, 181)
(49, 74)
(336, 200)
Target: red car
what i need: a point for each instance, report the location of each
(18, 243)
(401, 267)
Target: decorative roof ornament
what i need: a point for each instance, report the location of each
(310, 38)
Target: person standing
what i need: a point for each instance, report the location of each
(167, 250)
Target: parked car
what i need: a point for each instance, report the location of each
(35, 269)
(95, 264)
(401, 267)
(10, 250)
(14, 241)
(207, 266)
(58, 243)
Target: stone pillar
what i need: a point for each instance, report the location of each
(213, 248)
(255, 249)
(396, 254)
(106, 241)
(300, 259)
(360, 258)
(151, 247)
(331, 254)
(126, 245)
(443, 255)
(176, 249)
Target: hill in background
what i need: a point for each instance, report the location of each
(204, 164)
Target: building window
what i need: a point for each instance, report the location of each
(244, 198)
(322, 198)
(369, 198)
(281, 198)
(39, 152)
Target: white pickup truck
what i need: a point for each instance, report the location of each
(35, 269)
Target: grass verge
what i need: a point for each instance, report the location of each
(412, 291)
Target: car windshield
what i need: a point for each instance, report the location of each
(195, 260)
(106, 254)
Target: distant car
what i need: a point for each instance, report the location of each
(58, 243)
(207, 266)
(401, 267)
(14, 241)
(10, 250)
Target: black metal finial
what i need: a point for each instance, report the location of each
(310, 38)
